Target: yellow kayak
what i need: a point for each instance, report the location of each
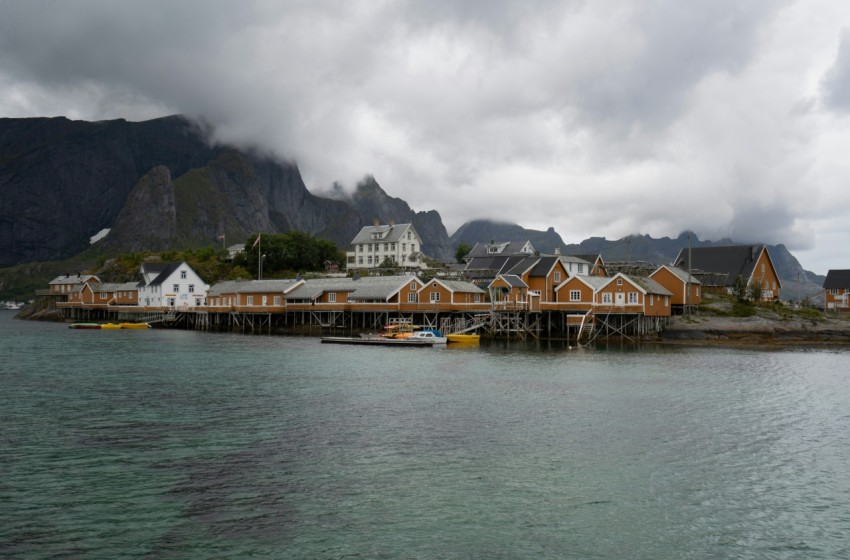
(135, 326)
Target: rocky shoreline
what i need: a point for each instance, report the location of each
(756, 331)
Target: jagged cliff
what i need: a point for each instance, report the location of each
(160, 184)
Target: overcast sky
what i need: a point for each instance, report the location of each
(730, 118)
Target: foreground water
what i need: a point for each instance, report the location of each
(173, 444)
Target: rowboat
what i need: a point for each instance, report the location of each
(84, 326)
(467, 338)
(135, 325)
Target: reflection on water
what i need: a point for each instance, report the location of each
(188, 445)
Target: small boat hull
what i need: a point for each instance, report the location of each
(135, 325)
(377, 341)
(464, 338)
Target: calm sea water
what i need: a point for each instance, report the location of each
(173, 444)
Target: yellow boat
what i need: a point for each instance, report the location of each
(464, 338)
(135, 326)
(110, 326)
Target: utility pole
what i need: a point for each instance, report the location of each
(688, 286)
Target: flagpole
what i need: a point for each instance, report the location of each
(260, 256)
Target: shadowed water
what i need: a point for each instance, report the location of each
(174, 444)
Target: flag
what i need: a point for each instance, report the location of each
(221, 237)
(256, 241)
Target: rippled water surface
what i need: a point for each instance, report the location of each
(174, 444)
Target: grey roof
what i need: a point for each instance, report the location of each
(836, 279)
(513, 280)
(72, 279)
(507, 249)
(252, 286)
(681, 274)
(380, 287)
(162, 270)
(728, 262)
(543, 266)
(594, 282)
(589, 258)
(390, 233)
(576, 259)
(461, 286)
(115, 287)
(649, 285)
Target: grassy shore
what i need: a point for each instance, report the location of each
(722, 320)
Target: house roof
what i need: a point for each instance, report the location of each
(115, 287)
(513, 280)
(272, 286)
(371, 288)
(728, 261)
(680, 274)
(162, 271)
(649, 285)
(837, 279)
(73, 279)
(542, 267)
(594, 282)
(389, 233)
(502, 248)
(459, 286)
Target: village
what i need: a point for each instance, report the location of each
(502, 289)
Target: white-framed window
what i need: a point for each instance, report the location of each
(250, 300)
(191, 288)
(580, 268)
(411, 297)
(175, 288)
(557, 276)
(359, 260)
(619, 281)
(633, 297)
(277, 301)
(413, 286)
(102, 295)
(182, 274)
(606, 297)
(331, 297)
(435, 297)
(575, 295)
(477, 298)
(651, 300)
(370, 259)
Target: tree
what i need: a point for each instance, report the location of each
(388, 262)
(755, 291)
(739, 288)
(462, 250)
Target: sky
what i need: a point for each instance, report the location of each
(728, 118)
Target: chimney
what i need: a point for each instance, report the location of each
(557, 250)
(376, 222)
(391, 222)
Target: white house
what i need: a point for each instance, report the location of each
(172, 284)
(377, 243)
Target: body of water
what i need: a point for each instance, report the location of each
(177, 444)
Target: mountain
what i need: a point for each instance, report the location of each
(161, 184)
(484, 231)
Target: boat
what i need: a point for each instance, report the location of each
(135, 325)
(84, 326)
(12, 306)
(110, 326)
(426, 337)
(428, 334)
(465, 338)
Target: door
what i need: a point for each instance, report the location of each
(620, 298)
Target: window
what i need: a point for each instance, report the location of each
(580, 268)
(633, 297)
(370, 259)
(250, 300)
(102, 295)
(651, 299)
(191, 288)
(182, 274)
(359, 260)
(557, 276)
(175, 288)
(619, 281)
(404, 247)
(411, 297)
(606, 297)
(435, 297)
(413, 285)
(413, 246)
(277, 301)
(477, 298)
(575, 295)
(331, 298)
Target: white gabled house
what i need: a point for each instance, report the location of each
(173, 284)
(375, 244)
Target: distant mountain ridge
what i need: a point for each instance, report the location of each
(796, 281)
